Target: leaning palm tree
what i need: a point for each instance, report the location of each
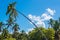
(33, 24)
(12, 13)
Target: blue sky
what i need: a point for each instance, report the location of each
(33, 7)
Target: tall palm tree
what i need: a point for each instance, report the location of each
(12, 19)
(12, 14)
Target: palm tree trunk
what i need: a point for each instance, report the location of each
(27, 18)
(57, 35)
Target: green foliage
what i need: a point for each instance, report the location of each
(36, 35)
(23, 36)
(55, 24)
(5, 33)
(9, 39)
(15, 35)
(50, 33)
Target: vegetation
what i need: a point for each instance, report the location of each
(39, 33)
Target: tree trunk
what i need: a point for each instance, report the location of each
(57, 35)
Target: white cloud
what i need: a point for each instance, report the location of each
(50, 11)
(30, 16)
(46, 17)
(40, 20)
(40, 23)
(48, 14)
(37, 20)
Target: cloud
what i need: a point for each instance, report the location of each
(40, 20)
(50, 11)
(37, 20)
(46, 17)
(48, 14)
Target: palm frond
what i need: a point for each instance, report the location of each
(8, 9)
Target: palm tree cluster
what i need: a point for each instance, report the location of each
(39, 33)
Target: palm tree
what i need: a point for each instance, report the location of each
(55, 24)
(12, 14)
(5, 33)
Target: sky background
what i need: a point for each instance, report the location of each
(36, 10)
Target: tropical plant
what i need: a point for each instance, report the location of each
(5, 33)
(23, 36)
(12, 14)
(55, 24)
